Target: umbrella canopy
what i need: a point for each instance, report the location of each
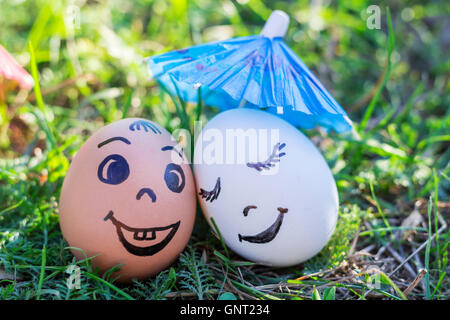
(258, 71)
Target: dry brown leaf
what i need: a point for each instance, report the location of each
(412, 221)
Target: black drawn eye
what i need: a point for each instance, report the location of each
(113, 169)
(174, 177)
(213, 194)
(271, 161)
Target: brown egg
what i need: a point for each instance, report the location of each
(129, 197)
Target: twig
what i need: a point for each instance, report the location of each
(354, 242)
(420, 266)
(231, 288)
(413, 284)
(423, 245)
(400, 259)
(240, 293)
(178, 294)
(316, 274)
(340, 280)
(368, 248)
(381, 250)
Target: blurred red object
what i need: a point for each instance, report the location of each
(12, 74)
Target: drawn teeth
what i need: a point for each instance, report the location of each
(142, 235)
(139, 235)
(153, 236)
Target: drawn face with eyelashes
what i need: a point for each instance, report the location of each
(278, 208)
(129, 196)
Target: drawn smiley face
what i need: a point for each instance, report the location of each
(129, 196)
(279, 206)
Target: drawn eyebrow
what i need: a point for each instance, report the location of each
(172, 148)
(101, 144)
(270, 162)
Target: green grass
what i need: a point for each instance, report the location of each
(393, 82)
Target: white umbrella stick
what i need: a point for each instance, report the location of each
(276, 25)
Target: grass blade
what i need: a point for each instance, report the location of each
(198, 109)
(386, 278)
(316, 294)
(329, 294)
(216, 228)
(39, 100)
(113, 287)
(127, 104)
(427, 253)
(373, 102)
(41, 277)
(380, 211)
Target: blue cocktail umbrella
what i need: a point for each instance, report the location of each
(258, 71)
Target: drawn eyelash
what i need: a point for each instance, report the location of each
(213, 194)
(271, 161)
(146, 125)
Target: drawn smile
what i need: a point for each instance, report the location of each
(269, 234)
(142, 234)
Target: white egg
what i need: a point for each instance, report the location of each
(267, 187)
